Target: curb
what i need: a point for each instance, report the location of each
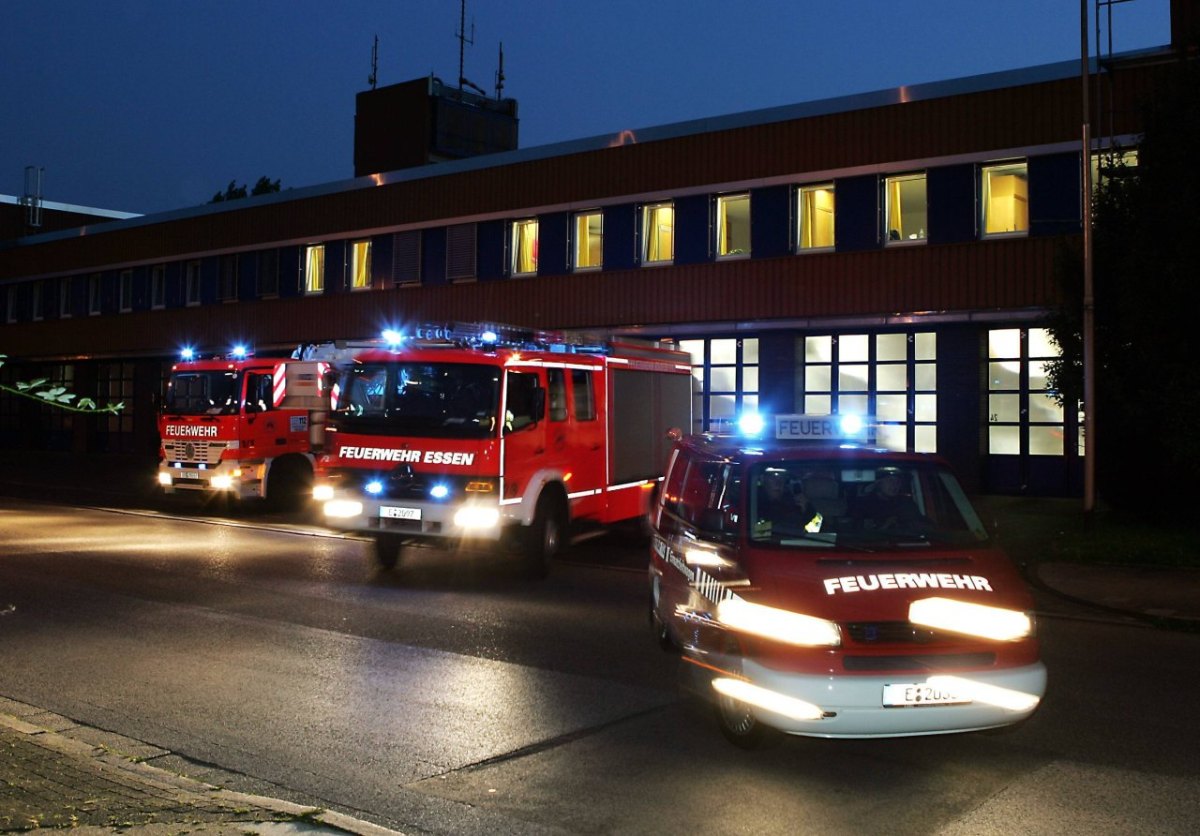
(223, 810)
(1181, 624)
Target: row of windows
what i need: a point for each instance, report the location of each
(1003, 204)
(887, 211)
(892, 377)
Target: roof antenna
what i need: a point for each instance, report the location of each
(500, 73)
(463, 40)
(374, 64)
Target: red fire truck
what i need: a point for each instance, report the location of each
(225, 432)
(472, 434)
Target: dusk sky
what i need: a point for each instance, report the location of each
(152, 105)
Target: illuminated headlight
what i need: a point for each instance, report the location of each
(770, 700)
(700, 556)
(164, 478)
(1008, 698)
(778, 625)
(343, 508)
(971, 619)
(322, 493)
(476, 517)
(222, 483)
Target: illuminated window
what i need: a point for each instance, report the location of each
(158, 286)
(1114, 163)
(191, 283)
(589, 241)
(724, 381)
(360, 265)
(524, 248)
(1004, 193)
(314, 268)
(1024, 418)
(733, 225)
(905, 208)
(892, 377)
(658, 233)
(815, 213)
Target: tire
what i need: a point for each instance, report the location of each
(386, 549)
(739, 725)
(289, 482)
(543, 540)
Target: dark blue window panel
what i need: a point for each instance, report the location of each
(693, 236)
(770, 221)
(433, 256)
(289, 273)
(247, 277)
(620, 237)
(856, 213)
(210, 274)
(335, 267)
(1054, 194)
(381, 261)
(552, 244)
(491, 246)
(950, 192)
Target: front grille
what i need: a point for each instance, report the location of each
(194, 452)
(890, 632)
(923, 662)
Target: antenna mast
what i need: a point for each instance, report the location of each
(373, 77)
(463, 40)
(500, 74)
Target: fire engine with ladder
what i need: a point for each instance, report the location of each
(225, 432)
(470, 434)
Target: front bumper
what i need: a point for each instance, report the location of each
(243, 481)
(852, 706)
(414, 518)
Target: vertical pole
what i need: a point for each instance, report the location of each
(1089, 332)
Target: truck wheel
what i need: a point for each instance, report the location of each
(544, 537)
(387, 550)
(289, 483)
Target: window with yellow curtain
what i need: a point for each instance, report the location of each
(589, 241)
(360, 265)
(733, 225)
(658, 233)
(1005, 197)
(816, 205)
(906, 210)
(524, 247)
(314, 268)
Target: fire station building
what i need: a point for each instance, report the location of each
(893, 253)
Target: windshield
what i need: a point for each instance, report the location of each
(875, 505)
(215, 392)
(435, 400)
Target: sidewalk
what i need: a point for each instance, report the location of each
(94, 782)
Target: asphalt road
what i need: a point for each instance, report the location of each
(456, 696)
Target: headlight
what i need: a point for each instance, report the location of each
(222, 483)
(971, 619)
(322, 493)
(164, 478)
(476, 517)
(779, 625)
(343, 508)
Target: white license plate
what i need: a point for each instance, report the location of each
(908, 694)
(394, 513)
(188, 474)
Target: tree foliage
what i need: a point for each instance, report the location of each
(233, 191)
(52, 394)
(1146, 225)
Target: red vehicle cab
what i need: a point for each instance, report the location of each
(837, 590)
